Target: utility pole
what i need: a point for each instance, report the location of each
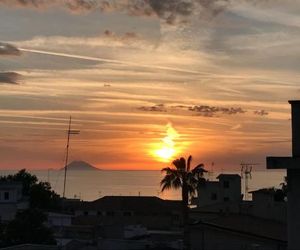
(292, 166)
(69, 132)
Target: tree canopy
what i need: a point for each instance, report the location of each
(27, 227)
(40, 193)
(29, 224)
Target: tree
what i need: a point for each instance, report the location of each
(27, 227)
(188, 180)
(41, 196)
(27, 180)
(40, 193)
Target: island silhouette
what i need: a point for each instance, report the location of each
(81, 165)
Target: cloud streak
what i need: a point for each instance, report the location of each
(170, 11)
(200, 110)
(154, 108)
(210, 111)
(9, 50)
(261, 112)
(120, 62)
(9, 78)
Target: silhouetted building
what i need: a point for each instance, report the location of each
(151, 212)
(236, 232)
(11, 200)
(225, 221)
(226, 189)
(265, 205)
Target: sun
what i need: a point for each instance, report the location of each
(166, 149)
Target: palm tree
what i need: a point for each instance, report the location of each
(188, 180)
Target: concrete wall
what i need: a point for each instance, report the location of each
(8, 211)
(56, 219)
(149, 220)
(205, 194)
(264, 206)
(233, 191)
(228, 188)
(10, 200)
(9, 193)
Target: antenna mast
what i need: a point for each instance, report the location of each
(246, 170)
(69, 132)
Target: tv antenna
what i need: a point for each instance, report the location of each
(211, 171)
(69, 133)
(246, 174)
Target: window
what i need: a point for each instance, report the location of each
(213, 196)
(226, 184)
(6, 196)
(226, 198)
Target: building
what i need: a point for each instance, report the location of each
(226, 189)
(150, 212)
(236, 232)
(265, 205)
(59, 219)
(225, 221)
(11, 200)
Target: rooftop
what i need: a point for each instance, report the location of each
(228, 176)
(249, 225)
(11, 184)
(264, 191)
(132, 203)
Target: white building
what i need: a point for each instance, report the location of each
(226, 189)
(11, 200)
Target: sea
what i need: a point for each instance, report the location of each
(91, 185)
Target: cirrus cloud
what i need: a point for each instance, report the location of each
(170, 11)
(9, 50)
(9, 78)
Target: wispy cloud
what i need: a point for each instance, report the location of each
(98, 59)
(107, 38)
(201, 110)
(9, 50)
(9, 78)
(170, 11)
(154, 108)
(210, 111)
(261, 112)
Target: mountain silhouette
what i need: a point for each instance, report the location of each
(81, 165)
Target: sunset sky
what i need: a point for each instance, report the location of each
(146, 81)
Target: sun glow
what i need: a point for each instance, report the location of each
(166, 149)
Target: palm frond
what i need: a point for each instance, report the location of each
(165, 186)
(177, 183)
(199, 170)
(170, 181)
(167, 170)
(188, 167)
